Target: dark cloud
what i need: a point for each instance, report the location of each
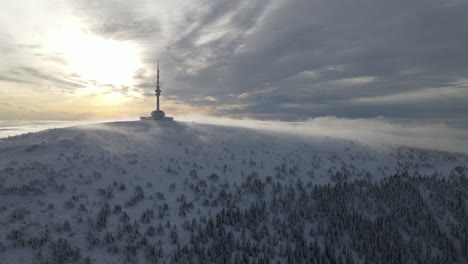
(56, 58)
(15, 80)
(5, 104)
(122, 28)
(122, 20)
(58, 81)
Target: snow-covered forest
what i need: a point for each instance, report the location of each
(171, 192)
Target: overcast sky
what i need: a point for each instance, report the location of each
(263, 59)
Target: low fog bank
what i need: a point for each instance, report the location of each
(10, 128)
(374, 131)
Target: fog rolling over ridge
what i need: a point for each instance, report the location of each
(443, 136)
(185, 192)
(430, 134)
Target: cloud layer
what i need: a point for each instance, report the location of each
(266, 59)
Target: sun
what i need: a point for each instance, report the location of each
(114, 98)
(97, 59)
(105, 66)
(103, 60)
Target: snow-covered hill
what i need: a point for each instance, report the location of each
(171, 192)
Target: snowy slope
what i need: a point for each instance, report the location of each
(164, 192)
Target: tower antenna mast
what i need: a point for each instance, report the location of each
(158, 88)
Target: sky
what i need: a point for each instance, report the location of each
(282, 60)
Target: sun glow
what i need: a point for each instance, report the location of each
(114, 98)
(104, 61)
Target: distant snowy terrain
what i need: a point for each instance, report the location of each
(10, 128)
(172, 192)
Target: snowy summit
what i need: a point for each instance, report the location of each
(173, 192)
